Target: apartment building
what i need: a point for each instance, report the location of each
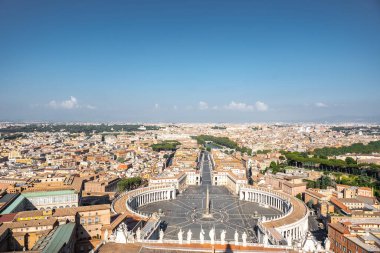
(355, 236)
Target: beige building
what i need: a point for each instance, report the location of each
(292, 185)
(102, 184)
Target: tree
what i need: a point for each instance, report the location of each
(127, 184)
(273, 165)
(120, 159)
(349, 160)
(220, 141)
(356, 148)
(299, 196)
(165, 146)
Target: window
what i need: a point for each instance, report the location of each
(82, 221)
(96, 219)
(89, 221)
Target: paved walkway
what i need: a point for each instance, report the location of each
(206, 169)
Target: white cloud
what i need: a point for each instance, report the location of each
(260, 106)
(202, 105)
(156, 106)
(175, 107)
(243, 107)
(320, 104)
(69, 104)
(91, 107)
(215, 107)
(238, 106)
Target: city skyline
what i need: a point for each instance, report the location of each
(198, 61)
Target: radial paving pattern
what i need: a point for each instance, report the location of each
(228, 211)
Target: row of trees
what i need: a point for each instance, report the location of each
(264, 151)
(219, 127)
(356, 148)
(128, 184)
(165, 146)
(277, 167)
(222, 141)
(321, 183)
(349, 165)
(361, 174)
(11, 136)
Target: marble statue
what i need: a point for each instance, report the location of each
(236, 238)
(130, 236)
(310, 243)
(120, 236)
(202, 236)
(319, 246)
(106, 235)
(289, 240)
(223, 237)
(327, 244)
(189, 234)
(212, 235)
(138, 234)
(112, 237)
(265, 240)
(244, 237)
(180, 236)
(161, 236)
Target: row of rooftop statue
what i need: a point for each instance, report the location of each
(122, 235)
(211, 236)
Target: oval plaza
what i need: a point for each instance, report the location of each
(203, 200)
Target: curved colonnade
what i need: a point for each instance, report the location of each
(129, 201)
(291, 225)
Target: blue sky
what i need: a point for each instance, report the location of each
(190, 61)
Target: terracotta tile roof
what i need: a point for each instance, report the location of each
(31, 223)
(340, 228)
(340, 205)
(7, 217)
(70, 211)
